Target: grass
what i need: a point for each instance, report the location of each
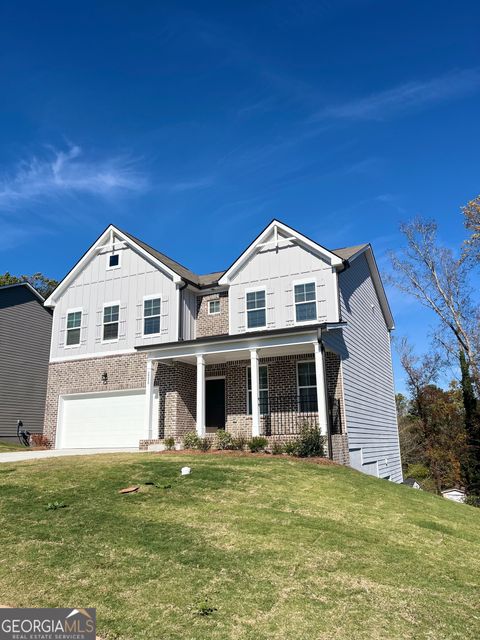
(11, 446)
(243, 548)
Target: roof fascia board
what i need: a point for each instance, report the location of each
(98, 245)
(334, 259)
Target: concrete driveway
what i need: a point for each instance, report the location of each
(17, 456)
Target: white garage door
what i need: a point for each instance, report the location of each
(111, 419)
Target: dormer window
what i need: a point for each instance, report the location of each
(113, 261)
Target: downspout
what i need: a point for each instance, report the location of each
(327, 399)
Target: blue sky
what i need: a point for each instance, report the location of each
(192, 125)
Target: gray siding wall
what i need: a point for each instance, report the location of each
(189, 313)
(96, 285)
(364, 345)
(25, 328)
(276, 270)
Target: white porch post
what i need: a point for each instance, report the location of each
(149, 399)
(321, 389)
(255, 392)
(200, 395)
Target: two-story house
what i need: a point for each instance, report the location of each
(143, 348)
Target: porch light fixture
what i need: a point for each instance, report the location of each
(105, 377)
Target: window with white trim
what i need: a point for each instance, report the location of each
(305, 302)
(110, 322)
(74, 321)
(262, 389)
(256, 309)
(151, 316)
(113, 261)
(213, 307)
(307, 386)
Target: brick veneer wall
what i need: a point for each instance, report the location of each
(176, 388)
(335, 388)
(212, 325)
(177, 391)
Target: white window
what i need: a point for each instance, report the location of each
(256, 309)
(113, 261)
(305, 302)
(307, 386)
(263, 389)
(74, 321)
(151, 316)
(213, 307)
(110, 322)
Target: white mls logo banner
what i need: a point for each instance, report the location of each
(47, 624)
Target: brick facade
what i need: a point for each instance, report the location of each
(177, 391)
(212, 325)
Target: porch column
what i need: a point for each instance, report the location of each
(321, 389)
(255, 393)
(149, 399)
(201, 396)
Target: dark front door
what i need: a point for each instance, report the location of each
(215, 404)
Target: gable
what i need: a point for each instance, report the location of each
(111, 240)
(275, 238)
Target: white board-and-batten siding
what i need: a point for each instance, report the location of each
(276, 269)
(369, 396)
(96, 286)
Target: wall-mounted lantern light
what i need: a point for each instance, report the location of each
(105, 377)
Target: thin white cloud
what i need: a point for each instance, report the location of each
(65, 172)
(406, 97)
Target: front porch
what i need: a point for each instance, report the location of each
(249, 386)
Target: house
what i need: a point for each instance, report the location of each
(25, 330)
(291, 333)
(411, 482)
(457, 494)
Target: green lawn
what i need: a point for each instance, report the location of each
(277, 548)
(11, 446)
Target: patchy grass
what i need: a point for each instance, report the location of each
(11, 446)
(243, 548)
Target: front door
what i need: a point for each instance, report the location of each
(215, 404)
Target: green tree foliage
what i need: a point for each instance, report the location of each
(471, 461)
(41, 283)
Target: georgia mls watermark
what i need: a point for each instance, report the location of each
(47, 624)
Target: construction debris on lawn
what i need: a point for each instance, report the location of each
(129, 490)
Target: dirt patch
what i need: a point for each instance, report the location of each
(247, 454)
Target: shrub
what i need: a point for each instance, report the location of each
(291, 447)
(169, 443)
(224, 440)
(257, 443)
(38, 440)
(191, 440)
(473, 500)
(310, 443)
(204, 444)
(239, 443)
(277, 449)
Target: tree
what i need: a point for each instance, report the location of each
(41, 283)
(438, 280)
(433, 432)
(471, 213)
(471, 461)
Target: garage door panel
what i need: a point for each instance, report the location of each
(112, 419)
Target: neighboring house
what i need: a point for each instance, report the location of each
(291, 333)
(411, 482)
(25, 330)
(457, 494)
